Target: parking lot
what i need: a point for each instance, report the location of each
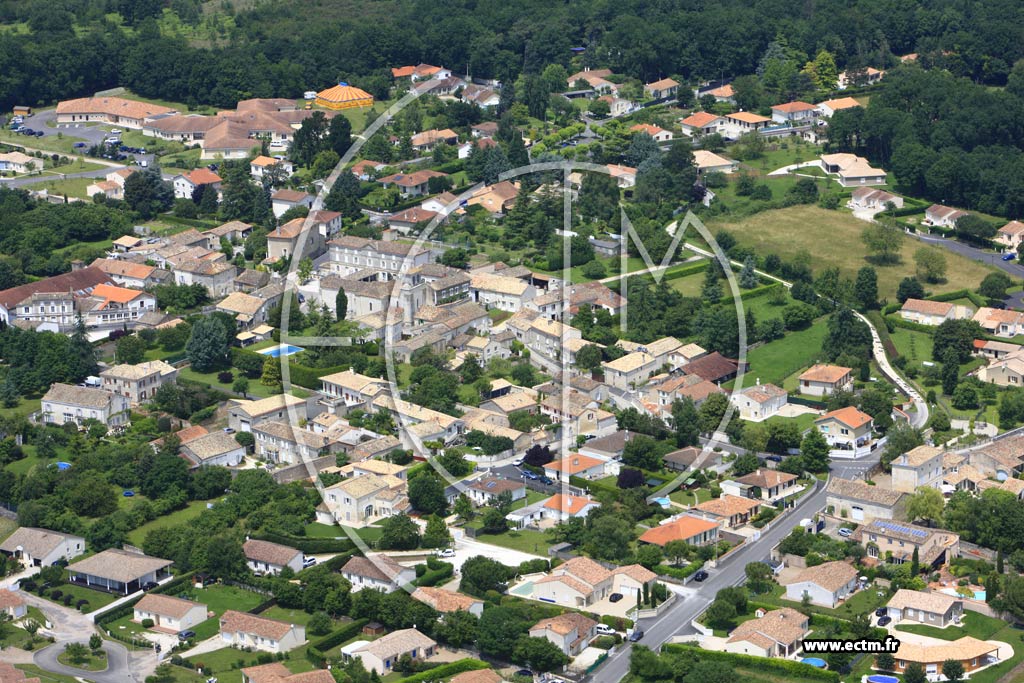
(513, 472)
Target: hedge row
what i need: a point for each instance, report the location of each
(128, 608)
(757, 292)
(974, 297)
(307, 545)
(432, 577)
(780, 666)
(677, 572)
(906, 324)
(315, 650)
(677, 272)
(445, 670)
(302, 375)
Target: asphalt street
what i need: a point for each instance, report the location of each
(1012, 268)
(117, 670)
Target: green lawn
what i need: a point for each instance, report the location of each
(804, 422)
(633, 264)
(318, 530)
(977, 625)
(79, 165)
(915, 345)
(777, 360)
(25, 465)
(219, 598)
(7, 527)
(525, 540)
(686, 496)
(689, 285)
(90, 663)
(531, 498)
(176, 518)
(256, 390)
(97, 599)
(292, 616)
(832, 238)
(227, 660)
(72, 187)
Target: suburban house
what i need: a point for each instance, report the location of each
(661, 89)
(920, 466)
(629, 371)
(295, 239)
(873, 199)
(15, 607)
(347, 389)
(924, 312)
(284, 199)
(276, 672)
(1006, 371)
(895, 543)
(576, 465)
(186, 184)
(724, 93)
(244, 630)
(250, 310)
(826, 584)
(117, 571)
(940, 216)
(415, 184)
(760, 401)
(1000, 322)
(497, 198)
(709, 162)
(263, 166)
(360, 501)
(859, 77)
(681, 459)
(216, 448)
(500, 292)
(768, 485)
(67, 403)
(429, 139)
(168, 614)
(701, 123)
(971, 652)
(822, 380)
(217, 277)
(933, 609)
(848, 431)
(486, 490)
(138, 383)
(129, 273)
(729, 511)
(379, 572)
(778, 633)
(659, 134)
(562, 507)
(581, 582)
(264, 557)
(41, 547)
(830, 107)
(50, 301)
(852, 170)
(742, 122)
(349, 254)
(381, 655)
(794, 113)
(244, 414)
(570, 632)
(19, 162)
(1011, 235)
(713, 367)
(446, 601)
(693, 530)
(862, 503)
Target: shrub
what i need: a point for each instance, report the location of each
(56, 594)
(225, 377)
(147, 623)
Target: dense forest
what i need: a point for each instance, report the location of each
(56, 49)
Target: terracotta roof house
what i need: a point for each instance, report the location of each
(240, 629)
(778, 633)
(379, 572)
(933, 609)
(713, 367)
(860, 502)
(169, 614)
(693, 530)
(446, 601)
(729, 511)
(827, 584)
(924, 312)
(570, 632)
(794, 113)
(823, 379)
(265, 557)
(382, 655)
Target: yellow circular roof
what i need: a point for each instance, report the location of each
(343, 92)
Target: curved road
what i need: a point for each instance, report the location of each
(117, 670)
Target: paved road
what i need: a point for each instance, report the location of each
(1012, 268)
(117, 671)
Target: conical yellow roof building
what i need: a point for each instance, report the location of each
(343, 96)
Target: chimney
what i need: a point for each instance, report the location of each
(77, 264)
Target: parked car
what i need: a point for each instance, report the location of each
(614, 597)
(116, 131)
(527, 474)
(185, 635)
(844, 532)
(149, 585)
(881, 612)
(39, 133)
(308, 562)
(700, 575)
(636, 635)
(1009, 257)
(517, 462)
(547, 480)
(447, 552)
(884, 621)
(605, 630)
(775, 458)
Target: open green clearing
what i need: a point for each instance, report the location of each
(176, 518)
(775, 361)
(832, 239)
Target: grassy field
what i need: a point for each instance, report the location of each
(525, 540)
(176, 518)
(834, 239)
(633, 264)
(72, 187)
(97, 599)
(218, 599)
(916, 346)
(976, 625)
(779, 359)
(256, 390)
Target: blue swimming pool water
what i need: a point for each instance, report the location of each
(63, 466)
(816, 662)
(281, 350)
(879, 678)
(978, 595)
(663, 502)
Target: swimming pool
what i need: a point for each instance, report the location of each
(816, 662)
(281, 350)
(978, 595)
(879, 678)
(663, 502)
